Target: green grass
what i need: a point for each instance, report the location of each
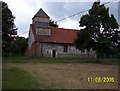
(23, 59)
(15, 78)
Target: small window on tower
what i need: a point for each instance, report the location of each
(65, 49)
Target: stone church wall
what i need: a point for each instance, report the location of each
(47, 50)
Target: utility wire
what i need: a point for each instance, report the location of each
(109, 2)
(82, 12)
(75, 14)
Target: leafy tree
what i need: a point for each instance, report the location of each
(22, 44)
(8, 27)
(100, 33)
(18, 46)
(52, 23)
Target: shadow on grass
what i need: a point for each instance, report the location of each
(15, 78)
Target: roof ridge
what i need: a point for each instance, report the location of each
(67, 29)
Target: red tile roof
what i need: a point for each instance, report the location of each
(58, 35)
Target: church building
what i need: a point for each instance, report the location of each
(44, 40)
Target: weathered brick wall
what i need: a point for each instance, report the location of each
(34, 50)
(47, 49)
(30, 37)
(40, 31)
(39, 19)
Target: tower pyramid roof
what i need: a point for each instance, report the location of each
(41, 13)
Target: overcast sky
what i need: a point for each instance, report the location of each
(24, 10)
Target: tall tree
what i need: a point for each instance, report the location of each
(52, 23)
(8, 27)
(19, 45)
(100, 33)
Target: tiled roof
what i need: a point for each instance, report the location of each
(41, 13)
(58, 35)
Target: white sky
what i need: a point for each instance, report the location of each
(24, 10)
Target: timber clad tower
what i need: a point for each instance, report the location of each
(48, 41)
(41, 22)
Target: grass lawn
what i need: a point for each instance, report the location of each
(58, 75)
(15, 78)
(23, 59)
(61, 73)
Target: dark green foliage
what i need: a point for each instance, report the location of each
(8, 27)
(18, 46)
(52, 23)
(100, 33)
(21, 42)
(11, 44)
(24, 59)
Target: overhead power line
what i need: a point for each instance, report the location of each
(74, 14)
(109, 2)
(82, 12)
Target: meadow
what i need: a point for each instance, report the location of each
(58, 73)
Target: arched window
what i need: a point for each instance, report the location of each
(54, 53)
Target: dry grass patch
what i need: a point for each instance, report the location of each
(70, 75)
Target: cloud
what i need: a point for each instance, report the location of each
(113, 9)
(119, 12)
(59, 10)
(24, 10)
(69, 23)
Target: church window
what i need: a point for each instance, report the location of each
(65, 49)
